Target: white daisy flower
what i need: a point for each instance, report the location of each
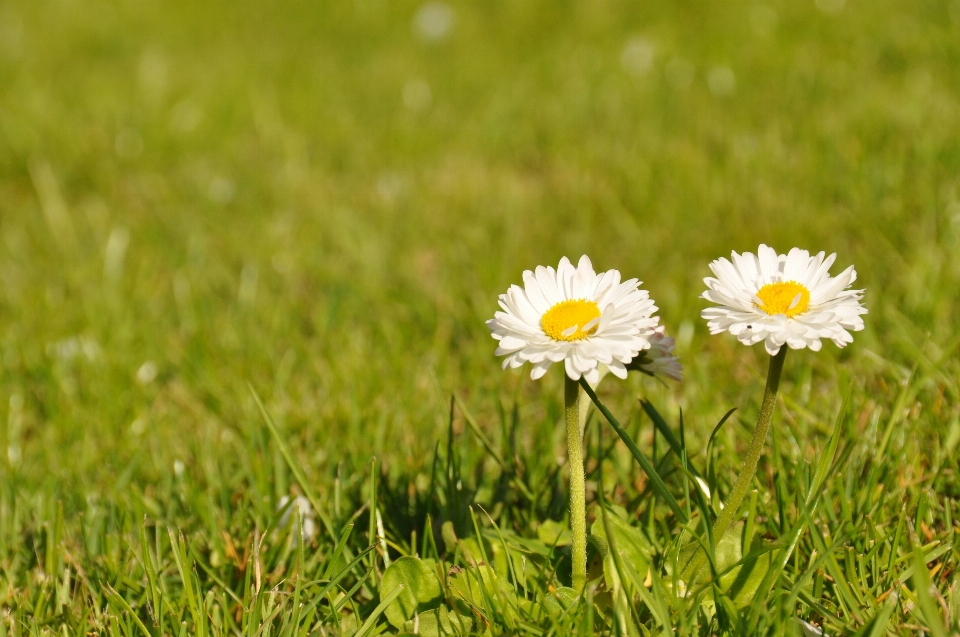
(659, 359)
(783, 299)
(576, 316)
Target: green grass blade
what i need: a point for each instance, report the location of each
(922, 584)
(120, 605)
(292, 464)
(655, 479)
(877, 627)
(382, 606)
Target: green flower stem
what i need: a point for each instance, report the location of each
(578, 507)
(742, 485)
(749, 469)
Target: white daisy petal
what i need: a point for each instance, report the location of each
(830, 288)
(796, 264)
(539, 370)
(535, 293)
(603, 284)
(584, 279)
(618, 369)
(547, 278)
(748, 267)
(593, 377)
(773, 348)
(565, 274)
(769, 263)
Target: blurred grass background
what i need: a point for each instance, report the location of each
(324, 199)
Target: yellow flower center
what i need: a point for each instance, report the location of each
(571, 320)
(788, 297)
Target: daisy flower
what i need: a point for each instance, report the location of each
(659, 359)
(575, 316)
(593, 324)
(783, 299)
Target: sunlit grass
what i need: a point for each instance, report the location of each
(323, 200)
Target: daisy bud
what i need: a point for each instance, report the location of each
(659, 359)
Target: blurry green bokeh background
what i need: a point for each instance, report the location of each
(325, 198)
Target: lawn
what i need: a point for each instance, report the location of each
(315, 205)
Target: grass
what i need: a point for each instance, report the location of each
(317, 201)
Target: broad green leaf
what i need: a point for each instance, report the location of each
(471, 583)
(740, 580)
(438, 622)
(449, 536)
(421, 591)
(750, 575)
(553, 533)
(480, 589)
(729, 551)
(513, 556)
(470, 550)
(559, 600)
(632, 547)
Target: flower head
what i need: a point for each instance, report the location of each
(659, 359)
(783, 299)
(576, 316)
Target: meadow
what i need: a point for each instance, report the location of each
(315, 205)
